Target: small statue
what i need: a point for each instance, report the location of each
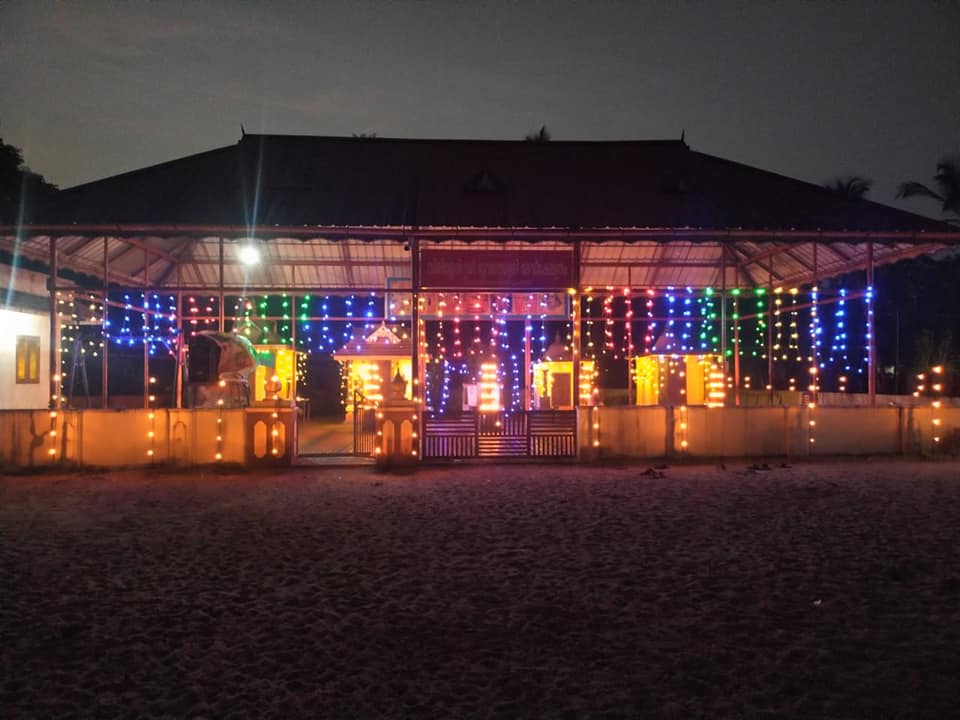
(272, 387)
(398, 386)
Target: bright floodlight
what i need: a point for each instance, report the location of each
(249, 255)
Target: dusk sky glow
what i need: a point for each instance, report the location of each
(811, 90)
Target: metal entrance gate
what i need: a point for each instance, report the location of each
(364, 426)
(531, 434)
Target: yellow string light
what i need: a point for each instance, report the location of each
(219, 453)
(937, 388)
(151, 419)
(52, 451)
(684, 432)
(715, 387)
(489, 388)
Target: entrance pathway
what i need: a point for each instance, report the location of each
(325, 436)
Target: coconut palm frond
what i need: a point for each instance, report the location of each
(948, 183)
(948, 169)
(852, 186)
(915, 189)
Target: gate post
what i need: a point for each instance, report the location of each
(398, 447)
(416, 391)
(271, 435)
(575, 342)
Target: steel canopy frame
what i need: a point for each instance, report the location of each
(733, 255)
(675, 248)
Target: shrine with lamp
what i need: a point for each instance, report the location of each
(371, 360)
(553, 378)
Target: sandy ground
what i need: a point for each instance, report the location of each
(816, 591)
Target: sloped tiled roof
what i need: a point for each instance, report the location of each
(285, 180)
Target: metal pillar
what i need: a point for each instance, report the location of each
(526, 363)
(220, 298)
(55, 400)
(770, 333)
(723, 308)
(105, 331)
(736, 336)
(415, 393)
(815, 376)
(631, 399)
(146, 317)
(575, 315)
(181, 347)
(871, 331)
(628, 334)
(293, 345)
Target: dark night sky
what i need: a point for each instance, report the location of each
(807, 89)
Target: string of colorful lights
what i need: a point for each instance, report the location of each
(675, 320)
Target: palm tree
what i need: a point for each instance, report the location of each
(542, 135)
(850, 186)
(947, 183)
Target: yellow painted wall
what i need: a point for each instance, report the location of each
(696, 381)
(626, 431)
(650, 379)
(643, 432)
(647, 379)
(119, 437)
(25, 439)
(186, 437)
(116, 438)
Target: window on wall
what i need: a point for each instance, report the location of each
(28, 359)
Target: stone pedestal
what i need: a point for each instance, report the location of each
(397, 427)
(397, 430)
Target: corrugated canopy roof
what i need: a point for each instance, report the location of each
(318, 263)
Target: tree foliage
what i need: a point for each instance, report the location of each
(945, 190)
(542, 135)
(850, 186)
(19, 185)
(918, 314)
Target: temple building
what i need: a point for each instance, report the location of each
(453, 299)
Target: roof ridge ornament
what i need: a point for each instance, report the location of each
(383, 334)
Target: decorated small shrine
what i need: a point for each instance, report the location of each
(276, 374)
(679, 380)
(553, 379)
(371, 359)
(669, 374)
